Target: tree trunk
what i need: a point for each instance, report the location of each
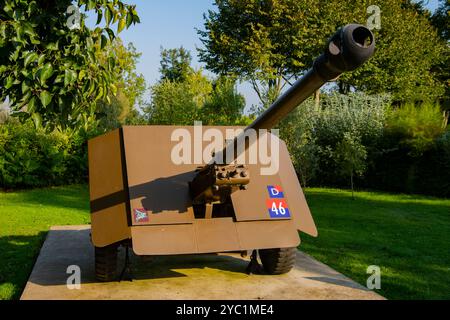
(344, 88)
(353, 189)
(317, 98)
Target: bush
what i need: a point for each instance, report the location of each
(399, 171)
(415, 128)
(321, 146)
(400, 149)
(415, 152)
(34, 158)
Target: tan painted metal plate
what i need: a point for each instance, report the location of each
(211, 236)
(107, 191)
(155, 183)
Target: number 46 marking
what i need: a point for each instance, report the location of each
(278, 209)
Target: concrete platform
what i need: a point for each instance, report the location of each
(210, 277)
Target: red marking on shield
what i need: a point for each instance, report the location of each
(278, 203)
(278, 188)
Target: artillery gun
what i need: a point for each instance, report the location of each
(146, 194)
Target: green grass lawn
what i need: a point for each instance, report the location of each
(25, 218)
(407, 236)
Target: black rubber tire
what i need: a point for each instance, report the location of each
(106, 263)
(278, 261)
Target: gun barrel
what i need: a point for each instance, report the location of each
(347, 50)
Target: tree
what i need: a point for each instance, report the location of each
(441, 22)
(177, 98)
(123, 107)
(351, 157)
(178, 103)
(408, 48)
(270, 42)
(264, 42)
(441, 19)
(49, 65)
(224, 106)
(184, 95)
(175, 64)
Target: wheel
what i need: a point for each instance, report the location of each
(278, 261)
(106, 263)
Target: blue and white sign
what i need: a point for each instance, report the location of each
(275, 192)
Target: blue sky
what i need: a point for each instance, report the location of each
(171, 24)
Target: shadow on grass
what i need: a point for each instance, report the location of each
(18, 255)
(72, 197)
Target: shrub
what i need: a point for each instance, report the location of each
(34, 158)
(318, 137)
(398, 171)
(414, 127)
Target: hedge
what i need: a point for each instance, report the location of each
(34, 158)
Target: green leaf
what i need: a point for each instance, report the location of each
(104, 41)
(26, 73)
(52, 46)
(91, 4)
(110, 34)
(15, 55)
(99, 16)
(30, 57)
(41, 59)
(113, 89)
(69, 77)
(116, 16)
(46, 72)
(99, 94)
(25, 87)
(92, 87)
(59, 78)
(31, 104)
(24, 99)
(129, 19)
(37, 119)
(108, 15)
(91, 57)
(122, 24)
(28, 29)
(9, 82)
(111, 63)
(81, 75)
(86, 87)
(45, 98)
